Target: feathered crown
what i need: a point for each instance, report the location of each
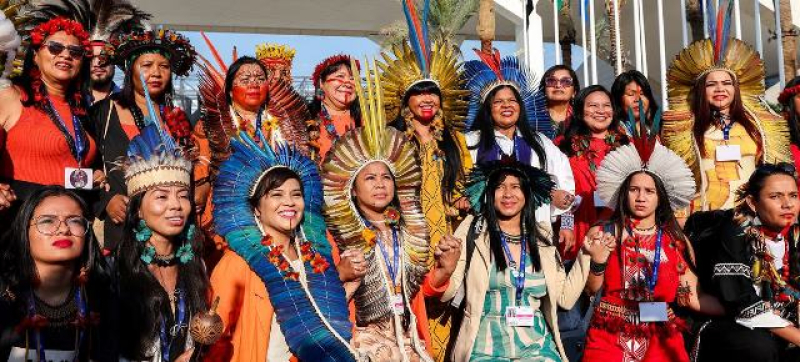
(645, 153)
(116, 16)
(316, 328)
(10, 40)
(422, 61)
(269, 53)
(339, 58)
(154, 160)
(124, 47)
(491, 72)
(540, 182)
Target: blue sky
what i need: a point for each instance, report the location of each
(313, 49)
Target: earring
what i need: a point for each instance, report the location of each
(185, 252)
(148, 254)
(142, 232)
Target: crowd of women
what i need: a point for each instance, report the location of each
(419, 208)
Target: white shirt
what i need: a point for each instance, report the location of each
(278, 350)
(557, 165)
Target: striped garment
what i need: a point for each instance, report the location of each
(498, 342)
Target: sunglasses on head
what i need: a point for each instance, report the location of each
(56, 48)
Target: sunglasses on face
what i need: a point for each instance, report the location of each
(552, 82)
(55, 48)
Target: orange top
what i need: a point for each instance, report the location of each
(36, 150)
(341, 123)
(131, 130)
(245, 309)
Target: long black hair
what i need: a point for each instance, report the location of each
(127, 95)
(18, 273)
(703, 113)
(791, 113)
(533, 236)
(234, 68)
(578, 126)
(618, 91)
(757, 181)
(576, 84)
(485, 124)
(315, 107)
(453, 166)
(143, 299)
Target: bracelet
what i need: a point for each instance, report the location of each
(567, 221)
(597, 268)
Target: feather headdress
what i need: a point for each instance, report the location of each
(541, 184)
(10, 41)
(356, 149)
(483, 76)
(114, 16)
(645, 153)
(313, 318)
(420, 61)
(153, 158)
(221, 124)
(125, 47)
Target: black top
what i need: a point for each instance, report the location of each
(112, 144)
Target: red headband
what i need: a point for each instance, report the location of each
(52, 26)
(341, 58)
(788, 93)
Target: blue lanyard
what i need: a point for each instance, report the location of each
(78, 145)
(519, 280)
(166, 342)
(726, 129)
(651, 281)
(82, 311)
(393, 267)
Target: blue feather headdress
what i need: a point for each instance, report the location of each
(539, 181)
(314, 320)
(154, 159)
(482, 76)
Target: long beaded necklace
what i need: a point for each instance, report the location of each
(77, 143)
(75, 304)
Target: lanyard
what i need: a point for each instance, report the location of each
(393, 267)
(519, 279)
(82, 311)
(77, 144)
(726, 128)
(653, 278)
(166, 342)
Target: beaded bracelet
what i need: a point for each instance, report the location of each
(567, 221)
(597, 268)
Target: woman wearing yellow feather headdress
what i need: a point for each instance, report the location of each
(371, 179)
(717, 122)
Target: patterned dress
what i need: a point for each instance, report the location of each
(496, 341)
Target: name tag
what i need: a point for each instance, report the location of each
(598, 201)
(18, 355)
(653, 312)
(78, 178)
(396, 302)
(729, 153)
(519, 316)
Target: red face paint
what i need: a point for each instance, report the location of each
(250, 97)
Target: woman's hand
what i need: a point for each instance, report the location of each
(561, 199)
(445, 260)
(566, 237)
(352, 265)
(462, 204)
(7, 196)
(599, 245)
(185, 356)
(116, 208)
(201, 197)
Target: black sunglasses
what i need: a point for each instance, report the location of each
(56, 48)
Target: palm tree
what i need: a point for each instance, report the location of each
(789, 33)
(566, 25)
(694, 14)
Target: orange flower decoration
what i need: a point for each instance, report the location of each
(369, 236)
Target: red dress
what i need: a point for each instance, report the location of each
(585, 185)
(796, 156)
(613, 335)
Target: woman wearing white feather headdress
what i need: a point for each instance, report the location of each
(649, 265)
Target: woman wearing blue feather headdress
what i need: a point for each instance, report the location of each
(509, 280)
(279, 296)
(507, 117)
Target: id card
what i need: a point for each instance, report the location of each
(598, 201)
(653, 312)
(396, 302)
(519, 316)
(729, 153)
(78, 178)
